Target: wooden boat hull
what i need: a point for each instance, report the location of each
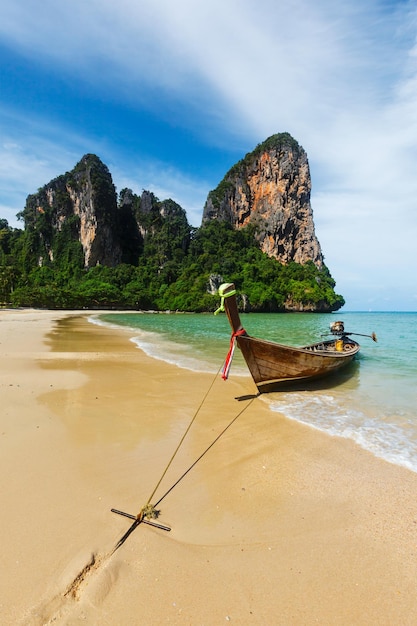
(272, 364)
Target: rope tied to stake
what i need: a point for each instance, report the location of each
(148, 512)
(228, 362)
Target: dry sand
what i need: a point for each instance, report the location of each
(278, 524)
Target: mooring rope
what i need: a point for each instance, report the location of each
(149, 509)
(206, 450)
(181, 442)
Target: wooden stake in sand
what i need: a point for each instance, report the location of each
(138, 519)
(149, 512)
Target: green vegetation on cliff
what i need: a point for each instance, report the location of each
(83, 246)
(172, 271)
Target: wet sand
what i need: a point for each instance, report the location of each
(276, 524)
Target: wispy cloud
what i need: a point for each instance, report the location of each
(341, 77)
(30, 156)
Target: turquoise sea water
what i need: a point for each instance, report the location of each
(373, 402)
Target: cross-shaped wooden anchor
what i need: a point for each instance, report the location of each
(138, 519)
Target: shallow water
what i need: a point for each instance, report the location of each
(372, 402)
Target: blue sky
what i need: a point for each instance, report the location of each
(171, 94)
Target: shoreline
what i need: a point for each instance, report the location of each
(278, 523)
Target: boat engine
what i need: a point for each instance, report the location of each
(337, 328)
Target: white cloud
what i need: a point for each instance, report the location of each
(30, 156)
(341, 77)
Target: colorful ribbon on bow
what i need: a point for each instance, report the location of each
(228, 362)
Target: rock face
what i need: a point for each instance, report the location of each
(78, 214)
(270, 189)
(162, 223)
(80, 205)
(94, 202)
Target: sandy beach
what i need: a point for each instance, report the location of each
(277, 524)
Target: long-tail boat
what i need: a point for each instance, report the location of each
(273, 364)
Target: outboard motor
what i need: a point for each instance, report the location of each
(337, 328)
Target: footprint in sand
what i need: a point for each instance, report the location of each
(92, 583)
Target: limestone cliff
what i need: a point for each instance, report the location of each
(94, 202)
(78, 206)
(78, 215)
(160, 224)
(270, 189)
(155, 259)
